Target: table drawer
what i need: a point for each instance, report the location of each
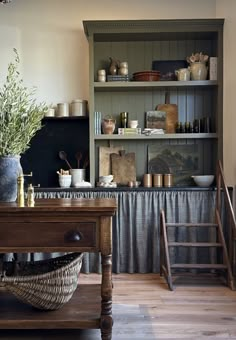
(49, 234)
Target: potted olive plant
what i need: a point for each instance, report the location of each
(20, 119)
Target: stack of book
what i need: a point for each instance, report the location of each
(118, 77)
(129, 131)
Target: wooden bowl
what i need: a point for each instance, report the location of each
(147, 76)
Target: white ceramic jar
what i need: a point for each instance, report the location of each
(101, 75)
(123, 69)
(78, 107)
(62, 110)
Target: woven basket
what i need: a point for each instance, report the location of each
(46, 284)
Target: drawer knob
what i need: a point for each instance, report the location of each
(73, 236)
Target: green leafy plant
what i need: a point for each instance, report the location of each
(20, 115)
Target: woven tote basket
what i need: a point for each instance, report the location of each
(46, 284)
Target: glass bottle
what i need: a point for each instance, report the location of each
(124, 119)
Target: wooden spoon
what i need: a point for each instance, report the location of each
(78, 156)
(86, 162)
(63, 156)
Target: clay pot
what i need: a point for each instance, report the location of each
(108, 126)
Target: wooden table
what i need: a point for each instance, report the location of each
(61, 225)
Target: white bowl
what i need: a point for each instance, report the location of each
(203, 180)
(106, 179)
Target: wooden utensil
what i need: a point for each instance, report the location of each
(78, 156)
(171, 113)
(63, 156)
(105, 159)
(86, 162)
(123, 167)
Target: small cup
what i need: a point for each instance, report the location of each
(64, 181)
(133, 124)
(183, 74)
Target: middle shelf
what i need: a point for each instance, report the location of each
(158, 136)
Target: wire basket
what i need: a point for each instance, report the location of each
(46, 284)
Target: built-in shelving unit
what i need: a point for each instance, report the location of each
(140, 42)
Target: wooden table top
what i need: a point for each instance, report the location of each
(64, 204)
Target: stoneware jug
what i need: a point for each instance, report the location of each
(198, 71)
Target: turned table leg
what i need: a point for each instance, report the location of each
(106, 294)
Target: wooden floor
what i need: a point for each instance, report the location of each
(144, 308)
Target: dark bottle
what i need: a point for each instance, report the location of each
(124, 119)
(196, 125)
(187, 127)
(190, 128)
(177, 128)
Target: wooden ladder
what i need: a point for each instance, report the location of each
(167, 267)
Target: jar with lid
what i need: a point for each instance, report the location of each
(78, 107)
(62, 110)
(101, 75)
(123, 68)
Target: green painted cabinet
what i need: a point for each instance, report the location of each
(140, 42)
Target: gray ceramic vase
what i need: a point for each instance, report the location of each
(10, 168)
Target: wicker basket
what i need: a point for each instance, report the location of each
(46, 284)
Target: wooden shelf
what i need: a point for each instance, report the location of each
(150, 84)
(66, 118)
(82, 311)
(158, 136)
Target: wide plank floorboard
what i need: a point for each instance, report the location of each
(144, 308)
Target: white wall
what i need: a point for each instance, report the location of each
(50, 39)
(227, 9)
(54, 51)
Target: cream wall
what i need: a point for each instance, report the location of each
(54, 51)
(227, 9)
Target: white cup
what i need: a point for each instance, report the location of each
(183, 74)
(133, 124)
(64, 181)
(77, 176)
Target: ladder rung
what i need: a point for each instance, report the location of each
(204, 225)
(198, 266)
(194, 244)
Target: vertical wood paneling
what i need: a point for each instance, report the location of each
(193, 103)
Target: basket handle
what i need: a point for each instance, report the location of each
(73, 236)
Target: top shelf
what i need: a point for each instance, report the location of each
(142, 84)
(137, 30)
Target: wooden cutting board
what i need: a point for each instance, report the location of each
(123, 167)
(105, 159)
(171, 113)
